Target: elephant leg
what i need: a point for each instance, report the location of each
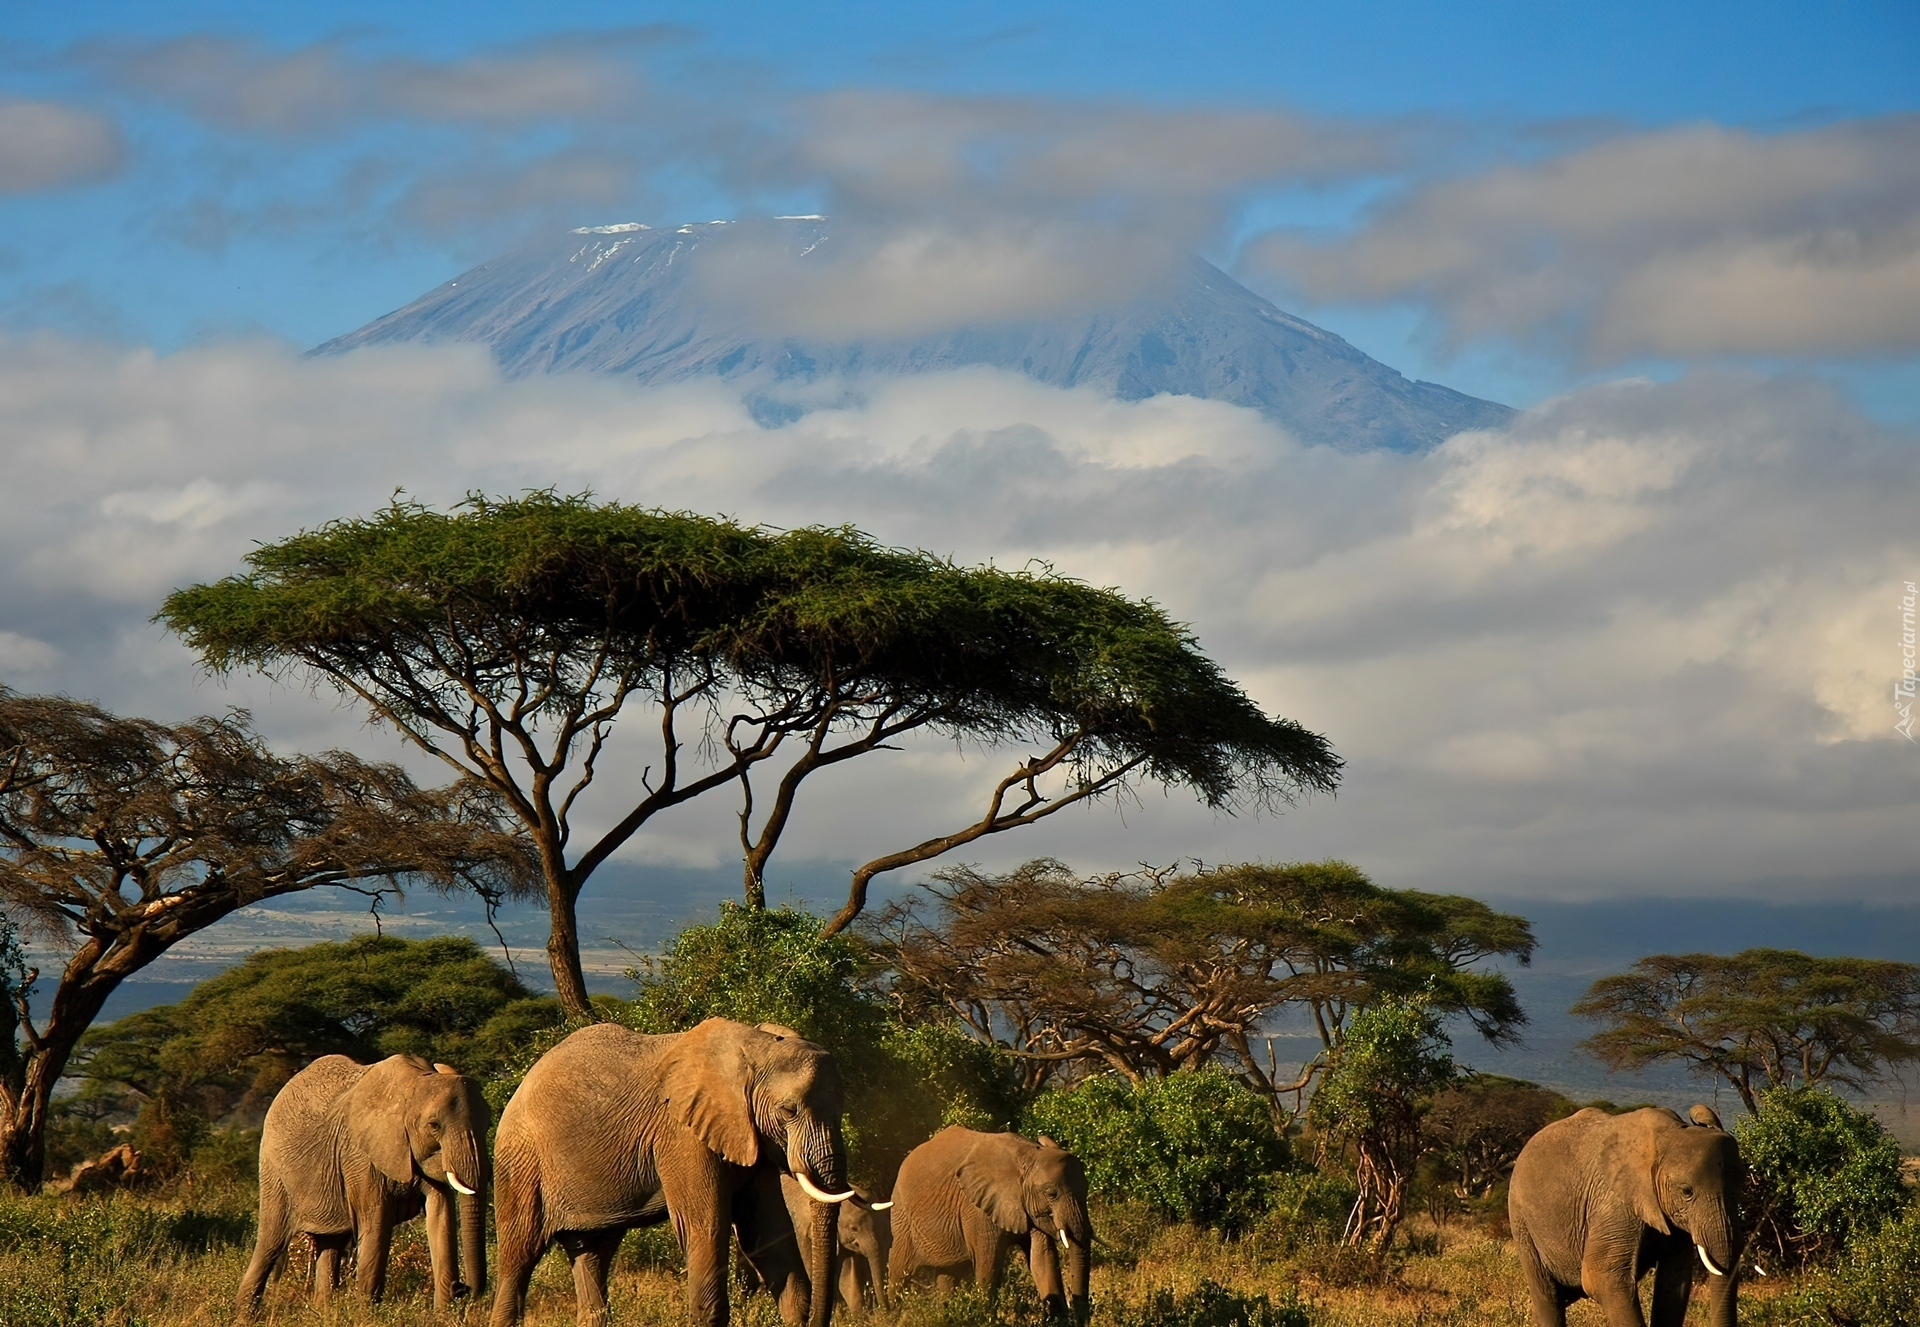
(516, 1210)
(370, 1257)
(852, 1286)
(1617, 1292)
(327, 1251)
(592, 1256)
(945, 1282)
(1672, 1288)
(706, 1244)
(990, 1261)
(268, 1250)
(1549, 1305)
(442, 1248)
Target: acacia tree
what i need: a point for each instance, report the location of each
(1760, 1019)
(506, 637)
(1154, 972)
(120, 837)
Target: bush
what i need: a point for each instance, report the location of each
(1196, 1147)
(1306, 1208)
(1821, 1172)
(1210, 1304)
(1876, 1283)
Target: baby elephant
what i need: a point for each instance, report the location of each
(352, 1149)
(1598, 1200)
(965, 1200)
(774, 1223)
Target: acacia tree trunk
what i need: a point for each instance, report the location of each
(26, 1097)
(563, 946)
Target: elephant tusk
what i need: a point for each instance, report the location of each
(818, 1194)
(1063, 1239)
(458, 1187)
(880, 1207)
(1706, 1261)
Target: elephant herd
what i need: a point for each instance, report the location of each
(731, 1133)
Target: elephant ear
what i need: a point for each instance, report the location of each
(707, 1080)
(1645, 1172)
(379, 1110)
(993, 1176)
(1702, 1114)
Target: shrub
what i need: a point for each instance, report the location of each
(1876, 1283)
(1210, 1304)
(1196, 1147)
(1307, 1207)
(1821, 1172)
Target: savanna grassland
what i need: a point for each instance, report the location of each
(173, 1259)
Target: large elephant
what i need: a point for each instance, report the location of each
(1597, 1200)
(964, 1200)
(614, 1129)
(351, 1150)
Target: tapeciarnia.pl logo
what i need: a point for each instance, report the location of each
(1903, 688)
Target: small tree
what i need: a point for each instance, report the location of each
(507, 637)
(1196, 1147)
(1392, 1058)
(1762, 1019)
(1822, 1172)
(1476, 1128)
(119, 838)
(1155, 972)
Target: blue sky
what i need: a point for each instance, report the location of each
(1640, 641)
(207, 229)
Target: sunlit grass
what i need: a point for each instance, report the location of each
(174, 1260)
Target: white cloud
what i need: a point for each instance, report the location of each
(45, 145)
(1697, 240)
(1642, 641)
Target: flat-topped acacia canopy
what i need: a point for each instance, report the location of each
(506, 635)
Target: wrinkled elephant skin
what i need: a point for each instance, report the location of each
(349, 1151)
(1599, 1200)
(614, 1129)
(965, 1200)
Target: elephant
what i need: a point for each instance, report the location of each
(1596, 1200)
(964, 1200)
(613, 1129)
(348, 1151)
(774, 1221)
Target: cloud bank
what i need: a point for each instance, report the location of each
(1642, 641)
(46, 145)
(1688, 242)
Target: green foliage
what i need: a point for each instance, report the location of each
(1196, 1147)
(1823, 1173)
(1210, 1304)
(1392, 1059)
(1762, 1018)
(762, 966)
(904, 1081)
(238, 1036)
(1393, 1056)
(1307, 1206)
(1875, 1283)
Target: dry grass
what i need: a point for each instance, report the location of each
(175, 1262)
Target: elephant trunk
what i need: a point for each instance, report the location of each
(815, 1153)
(467, 1158)
(1719, 1252)
(1077, 1269)
(820, 1262)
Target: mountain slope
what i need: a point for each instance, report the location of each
(631, 301)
